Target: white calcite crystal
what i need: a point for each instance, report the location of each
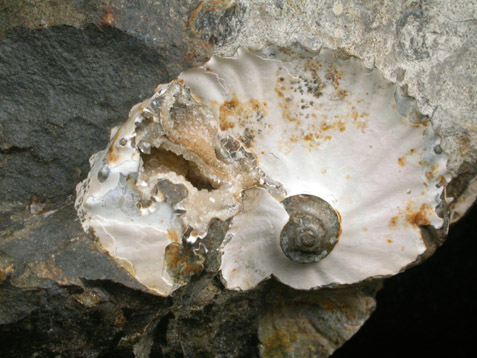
(240, 138)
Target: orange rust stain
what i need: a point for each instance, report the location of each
(420, 217)
(112, 156)
(323, 171)
(192, 269)
(226, 109)
(313, 139)
(108, 18)
(365, 229)
(432, 173)
(340, 220)
(389, 241)
(328, 305)
(353, 117)
(173, 255)
(279, 92)
(179, 263)
(393, 221)
(338, 125)
(348, 177)
(342, 94)
(362, 126)
(5, 272)
(325, 126)
(402, 161)
(206, 6)
(235, 112)
(333, 75)
(172, 235)
(284, 104)
(313, 133)
(412, 216)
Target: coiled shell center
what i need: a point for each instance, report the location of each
(312, 230)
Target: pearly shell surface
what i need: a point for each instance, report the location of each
(299, 123)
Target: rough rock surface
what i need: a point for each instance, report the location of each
(427, 46)
(71, 69)
(60, 92)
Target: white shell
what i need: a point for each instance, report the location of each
(136, 241)
(357, 146)
(120, 200)
(318, 125)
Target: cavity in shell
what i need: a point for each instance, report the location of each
(242, 138)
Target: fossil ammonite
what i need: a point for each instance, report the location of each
(325, 169)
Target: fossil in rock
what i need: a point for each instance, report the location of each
(325, 169)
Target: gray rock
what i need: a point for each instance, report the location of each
(61, 90)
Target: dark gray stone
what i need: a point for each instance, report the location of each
(61, 90)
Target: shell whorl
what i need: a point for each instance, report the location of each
(312, 230)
